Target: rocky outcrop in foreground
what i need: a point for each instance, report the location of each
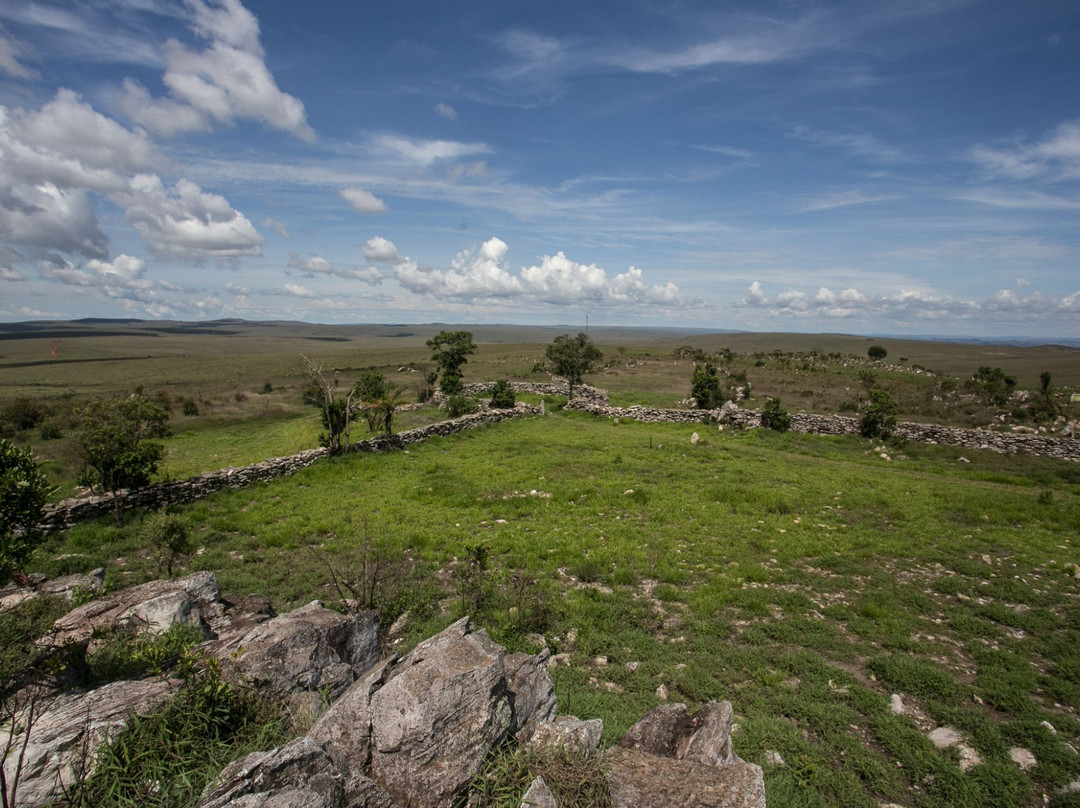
(410, 730)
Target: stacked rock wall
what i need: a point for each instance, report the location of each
(586, 399)
(173, 492)
(983, 439)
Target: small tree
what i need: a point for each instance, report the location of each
(572, 358)
(876, 353)
(336, 411)
(169, 534)
(371, 387)
(115, 441)
(774, 416)
(502, 395)
(879, 415)
(451, 350)
(705, 386)
(993, 384)
(23, 491)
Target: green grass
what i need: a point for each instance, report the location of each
(803, 578)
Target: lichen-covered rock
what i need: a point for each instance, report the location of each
(639, 780)
(156, 606)
(297, 775)
(444, 708)
(532, 692)
(68, 728)
(668, 730)
(569, 731)
(308, 649)
(538, 795)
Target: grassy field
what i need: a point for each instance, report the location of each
(805, 579)
(246, 379)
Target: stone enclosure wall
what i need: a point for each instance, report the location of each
(586, 399)
(983, 439)
(173, 492)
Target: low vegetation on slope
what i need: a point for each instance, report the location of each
(806, 579)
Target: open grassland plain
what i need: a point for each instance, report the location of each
(235, 389)
(806, 579)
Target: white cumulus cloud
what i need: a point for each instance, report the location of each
(185, 221)
(226, 81)
(362, 201)
(483, 274)
(907, 303)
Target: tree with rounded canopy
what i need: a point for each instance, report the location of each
(451, 350)
(705, 386)
(572, 358)
(877, 353)
(115, 440)
(23, 491)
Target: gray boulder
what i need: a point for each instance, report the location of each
(155, 606)
(297, 775)
(68, 728)
(640, 780)
(532, 692)
(421, 726)
(308, 649)
(444, 708)
(669, 731)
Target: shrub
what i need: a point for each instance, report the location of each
(876, 352)
(169, 535)
(23, 491)
(189, 407)
(879, 415)
(459, 404)
(51, 429)
(774, 416)
(502, 395)
(24, 413)
(993, 385)
(705, 386)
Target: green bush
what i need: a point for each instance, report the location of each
(774, 416)
(705, 386)
(502, 395)
(459, 404)
(23, 491)
(24, 413)
(169, 535)
(879, 415)
(189, 407)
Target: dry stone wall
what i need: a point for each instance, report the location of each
(586, 399)
(173, 492)
(982, 439)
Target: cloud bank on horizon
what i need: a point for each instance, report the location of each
(823, 166)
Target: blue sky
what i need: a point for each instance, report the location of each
(859, 167)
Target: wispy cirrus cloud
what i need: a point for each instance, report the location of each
(843, 199)
(1054, 158)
